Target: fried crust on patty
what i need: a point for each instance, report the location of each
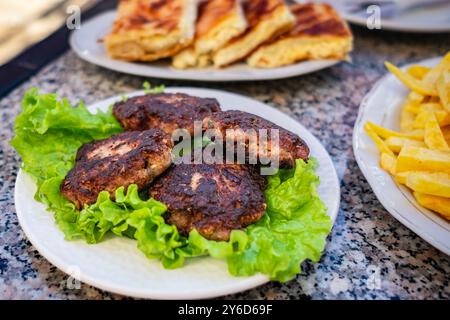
(291, 146)
(213, 199)
(167, 111)
(123, 159)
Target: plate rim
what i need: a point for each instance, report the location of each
(253, 281)
(259, 75)
(369, 177)
(246, 283)
(387, 24)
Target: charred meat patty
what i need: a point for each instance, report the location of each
(134, 157)
(290, 148)
(214, 199)
(167, 111)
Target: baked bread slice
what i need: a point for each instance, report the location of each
(266, 19)
(218, 22)
(189, 58)
(319, 33)
(147, 30)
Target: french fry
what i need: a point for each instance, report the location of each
(434, 138)
(423, 144)
(422, 159)
(397, 143)
(443, 88)
(434, 183)
(438, 204)
(446, 132)
(431, 106)
(413, 108)
(386, 133)
(416, 108)
(400, 177)
(433, 99)
(421, 120)
(443, 118)
(406, 120)
(412, 83)
(430, 79)
(415, 98)
(433, 75)
(417, 71)
(378, 141)
(416, 134)
(387, 162)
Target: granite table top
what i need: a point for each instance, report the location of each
(369, 255)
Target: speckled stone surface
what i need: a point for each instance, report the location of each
(369, 254)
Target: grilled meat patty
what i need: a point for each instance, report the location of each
(135, 157)
(291, 146)
(214, 199)
(167, 111)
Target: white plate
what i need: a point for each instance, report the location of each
(85, 43)
(117, 265)
(426, 20)
(382, 106)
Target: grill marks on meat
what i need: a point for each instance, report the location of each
(214, 199)
(167, 111)
(291, 146)
(127, 158)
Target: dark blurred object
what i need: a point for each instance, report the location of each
(34, 58)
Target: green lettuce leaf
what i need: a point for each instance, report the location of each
(293, 229)
(48, 134)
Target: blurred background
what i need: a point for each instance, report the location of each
(25, 22)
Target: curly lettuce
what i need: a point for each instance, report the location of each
(48, 133)
(293, 229)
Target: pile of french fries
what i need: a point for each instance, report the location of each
(419, 155)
